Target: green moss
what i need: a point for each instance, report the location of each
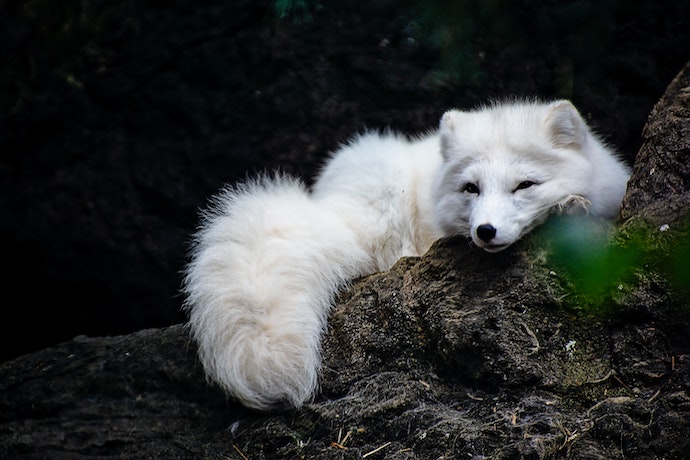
(600, 267)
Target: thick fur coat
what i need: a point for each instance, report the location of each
(271, 255)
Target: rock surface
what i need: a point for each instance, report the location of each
(457, 354)
(660, 185)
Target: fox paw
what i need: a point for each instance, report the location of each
(573, 205)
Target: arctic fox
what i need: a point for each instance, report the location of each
(270, 255)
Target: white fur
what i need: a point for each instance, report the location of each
(270, 256)
(500, 147)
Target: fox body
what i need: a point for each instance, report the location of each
(270, 255)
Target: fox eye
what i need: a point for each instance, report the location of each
(470, 188)
(524, 184)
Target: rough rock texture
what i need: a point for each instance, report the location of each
(457, 354)
(137, 396)
(660, 185)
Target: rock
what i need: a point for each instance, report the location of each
(456, 354)
(660, 184)
(135, 396)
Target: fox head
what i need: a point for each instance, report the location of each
(507, 167)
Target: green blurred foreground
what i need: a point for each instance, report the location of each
(599, 269)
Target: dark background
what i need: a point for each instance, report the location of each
(120, 118)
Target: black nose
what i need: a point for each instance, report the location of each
(486, 232)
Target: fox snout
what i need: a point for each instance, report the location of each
(484, 236)
(486, 232)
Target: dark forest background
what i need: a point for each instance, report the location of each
(120, 118)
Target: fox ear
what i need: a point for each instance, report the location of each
(448, 121)
(448, 129)
(565, 125)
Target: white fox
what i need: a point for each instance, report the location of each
(270, 255)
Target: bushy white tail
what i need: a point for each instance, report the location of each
(266, 264)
